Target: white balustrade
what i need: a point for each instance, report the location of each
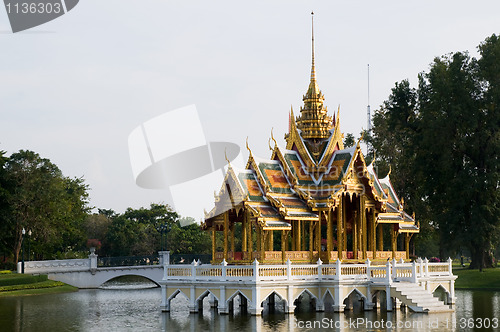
(384, 274)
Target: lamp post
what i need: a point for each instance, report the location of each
(29, 245)
(22, 250)
(164, 229)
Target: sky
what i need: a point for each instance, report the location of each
(74, 88)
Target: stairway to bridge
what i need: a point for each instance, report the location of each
(417, 298)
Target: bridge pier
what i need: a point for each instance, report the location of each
(165, 305)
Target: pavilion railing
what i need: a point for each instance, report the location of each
(276, 257)
(386, 274)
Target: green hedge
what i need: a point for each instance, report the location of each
(42, 284)
(21, 279)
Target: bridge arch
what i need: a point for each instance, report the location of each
(352, 300)
(238, 292)
(270, 298)
(328, 299)
(174, 294)
(441, 293)
(244, 300)
(205, 294)
(313, 299)
(130, 275)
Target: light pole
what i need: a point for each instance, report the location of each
(29, 243)
(22, 250)
(164, 229)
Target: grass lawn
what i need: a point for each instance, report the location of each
(13, 284)
(489, 279)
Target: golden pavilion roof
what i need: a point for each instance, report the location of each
(309, 175)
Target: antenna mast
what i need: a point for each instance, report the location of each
(368, 107)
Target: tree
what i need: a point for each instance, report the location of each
(41, 199)
(442, 141)
(189, 239)
(349, 140)
(6, 236)
(137, 231)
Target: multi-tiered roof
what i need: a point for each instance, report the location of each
(308, 176)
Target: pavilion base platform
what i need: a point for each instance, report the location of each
(304, 257)
(420, 286)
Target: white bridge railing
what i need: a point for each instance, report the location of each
(59, 265)
(392, 271)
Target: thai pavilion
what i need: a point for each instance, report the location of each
(314, 199)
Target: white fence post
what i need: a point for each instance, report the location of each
(450, 267)
(426, 263)
(388, 272)
(421, 267)
(93, 262)
(368, 264)
(224, 264)
(164, 257)
(193, 269)
(288, 269)
(413, 272)
(338, 269)
(256, 269)
(319, 262)
(394, 269)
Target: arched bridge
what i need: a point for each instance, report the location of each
(85, 273)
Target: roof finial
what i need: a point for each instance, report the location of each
(313, 69)
(272, 137)
(250, 151)
(225, 155)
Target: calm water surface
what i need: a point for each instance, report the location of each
(117, 308)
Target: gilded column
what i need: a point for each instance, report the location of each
(407, 244)
(294, 234)
(340, 229)
(318, 233)
(263, 245)
(232, 237)
(355, 234)
(364, 226)
(259, 237)
(244, 233)
(344, 222)
(302, 236)
(298, 237)
(249, 236)
(394, 240)
(214, 244)
(373, 234)
(283, 247)
(270, 245)
(226, 231)
(329, 234)
(311, 237)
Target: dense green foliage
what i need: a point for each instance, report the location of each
(442, 140)
(143, 231)
(37, 197)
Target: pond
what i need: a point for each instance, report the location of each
(131, 305)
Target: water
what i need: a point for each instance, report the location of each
(120, 308)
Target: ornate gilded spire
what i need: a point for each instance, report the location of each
(314, 121)
(313, 85)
